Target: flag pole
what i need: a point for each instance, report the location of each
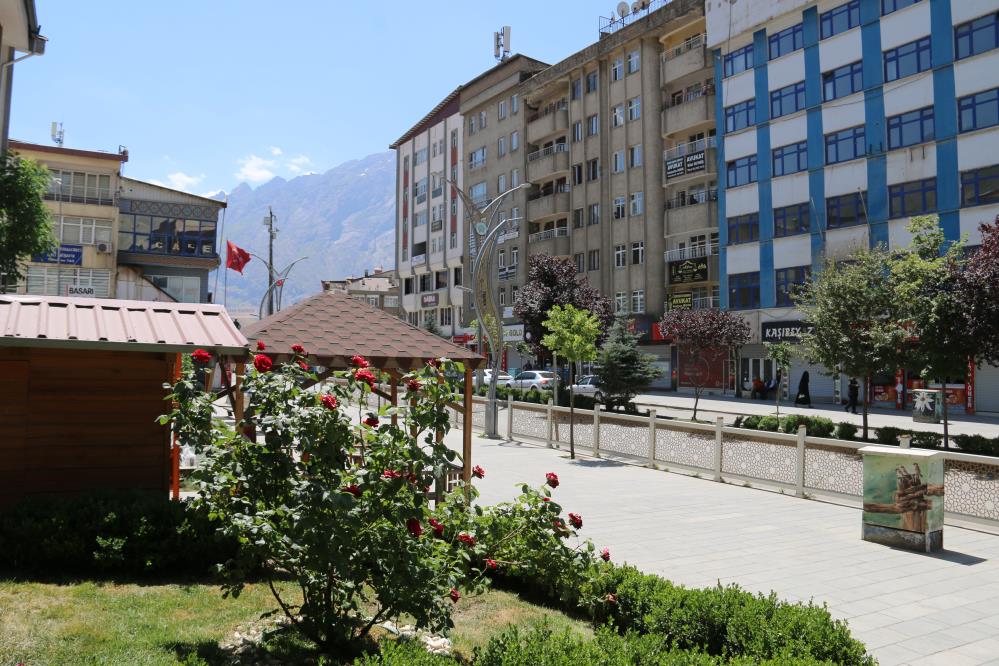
(225, 286)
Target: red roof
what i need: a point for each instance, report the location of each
(333, 327)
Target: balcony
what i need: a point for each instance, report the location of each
(697, 109)
(507, 272)
(688, 58)
(547, 234)
(548, 162)
(554, 241)
(690, 160)
(707, 303)
(686, 301)
(556, 203)
(689, 213)
(679, 254)
(548, 123)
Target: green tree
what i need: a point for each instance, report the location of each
(623, 368)
(430, 324)
(572, 334)
(25, 222)
(781, 354)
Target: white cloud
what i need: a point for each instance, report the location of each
(275, 151)
(255, 169)
(298, 164)
(182, 181)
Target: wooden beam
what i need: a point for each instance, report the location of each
(466, 435)
(237, 410)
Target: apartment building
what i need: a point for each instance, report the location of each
(837, 121)
(430, 225)
(379, 289)
(83, 200)
(19, 32)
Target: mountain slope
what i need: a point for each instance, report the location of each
(342, 220)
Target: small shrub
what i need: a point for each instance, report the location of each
(769, 424)
(819, 426)
(888, 435)
(925, 440)
(404, 653)
(737, 423)
(752, 422)
(846, 430)
(977, 444)
(791, 422)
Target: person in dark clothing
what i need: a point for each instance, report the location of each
(803, 397)
(759, 389)
(852, 392)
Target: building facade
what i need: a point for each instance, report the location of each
(379, 289)
(19, 32)
(837, 121)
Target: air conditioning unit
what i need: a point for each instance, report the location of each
(104, 248)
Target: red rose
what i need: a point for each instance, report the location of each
(298, 349)
(352, 489)
(262, 363)
(575, 520)
(478, 472)
(466, 539)
(438, 527)
(546, 499)
(551, 478)
(261, 346)
(492, 564)
(605, 555)
(201, 356)
(413, 385)
(365, 376)
(303, 365)
(454, 594)
(414, 527)
(371, 421)
(611, 599)
(359, 361)
(391, 474)
(432, 362)
(412, 478)
(329, 401)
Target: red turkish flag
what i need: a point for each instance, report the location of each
(236, 257)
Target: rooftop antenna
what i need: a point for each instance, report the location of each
(501, 43)
(57, 133)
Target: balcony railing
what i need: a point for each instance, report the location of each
(548, 109)
(692, 147)
(705, 303)
(692, 198)
(507, 272)
(695, 42)
(694, 95)
(564, 187)
(548, 233)
(681, 253)
(550, 150)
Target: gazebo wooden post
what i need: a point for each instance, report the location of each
(237, 394)
(466, 434)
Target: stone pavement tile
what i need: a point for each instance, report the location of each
(878, 638)
(919, 626)
(861, 607)
(910, 611)
(931, 643)
(872, 621)
(949, 658)
(947, 601)
(953, 617)
(895, 655)
(968, 633)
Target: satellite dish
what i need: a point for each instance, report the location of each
(623, 9)
(636, 6)
(644, 4)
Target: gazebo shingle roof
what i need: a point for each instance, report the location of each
(333, 327)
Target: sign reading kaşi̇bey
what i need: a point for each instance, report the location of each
(784, 331)
(688, 270)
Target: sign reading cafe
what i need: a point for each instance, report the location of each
(783, 331)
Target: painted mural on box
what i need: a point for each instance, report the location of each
(903, 494)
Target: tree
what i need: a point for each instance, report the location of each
(857, 319)
(430, 324)
(553, 281)
(781, 354)
(704, 333)
(25, 222)
(623, 369)
(572, 334)
(977, 284)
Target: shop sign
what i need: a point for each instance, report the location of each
(507, 312)
(694, 162)
(674, 167)
(784, 331)
(688, 270)
(681, 301)
(76, 290)
(513, 333)
(71, 255)
(429, 300)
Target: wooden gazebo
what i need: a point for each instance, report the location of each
(334, 327)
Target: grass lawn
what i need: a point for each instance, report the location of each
(128, 624)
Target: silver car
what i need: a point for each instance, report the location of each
(587, 385)
(539, 380)
(502, 378)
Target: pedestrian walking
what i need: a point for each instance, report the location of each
(853, 392)
(804, 397)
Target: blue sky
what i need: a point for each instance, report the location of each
(208, 93)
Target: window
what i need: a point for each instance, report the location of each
(637, 203)
(635, 155)
(502, 296)
(500, 184)
(907, 59)
(186, 289)
(454, 137)
(478, 192)
(482, 119)
(738, 61)
(787, 100)
(577, 131)
(593, 260)
(978, 111)
(842, 81)
(471, 124)
(617, 161)
(845, 145)
(407, 285)
(791, 220)
(638, 301)
(913, 198)
(593, 214)
(618, 208)
(620, 256)
(501, 146)
(786, 41)
(621, 301)
(419, 218)
(144, 233)
(477, 158)
(593, 125)
(744, 291)
(741, 171)
(88, 231)
(617, 116)
(514, 140)
(977, 36)
(453, 240)
(445, 316)
(743, 228)
(910, 128)
(839, 19)
(577, 218)
(501, 258)
(634, 62)
(514, 177)
(501, 111)
(577, 174)
(638, 252)
(787, 280)
(591, 82)
(514, 103)
(440, 279)
(790, 159)
(514, 256)
(980, 186)
(617, 70)
(457, 276)
(845, 210)
(593, 169)
(634, 108)
(889, 6)
(80, 187)
(577, 89)
(741, 115)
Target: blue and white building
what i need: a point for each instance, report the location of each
(838, 120)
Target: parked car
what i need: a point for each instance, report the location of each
(587, 385)
(502, 378)
(539, 380)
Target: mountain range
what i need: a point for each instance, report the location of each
(341, 220)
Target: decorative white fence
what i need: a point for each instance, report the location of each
(795, 462)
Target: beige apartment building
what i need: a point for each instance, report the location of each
(378, 288)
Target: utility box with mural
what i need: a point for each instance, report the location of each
(927, 405)
(903, 497)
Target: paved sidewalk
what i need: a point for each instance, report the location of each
(908, 608)
(680, 405)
